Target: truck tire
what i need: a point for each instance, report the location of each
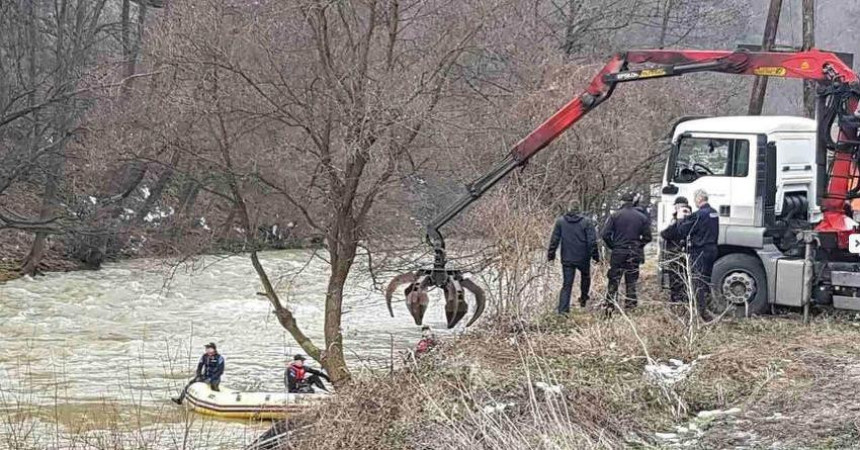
(739, 283)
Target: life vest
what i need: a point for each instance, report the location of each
(299, 372)
(425, 345)
(210, 364)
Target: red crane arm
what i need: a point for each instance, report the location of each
(807, 65)
(825, 67)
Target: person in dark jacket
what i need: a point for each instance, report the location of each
(300, 379)
(209, 370)
(578, 239)
(625, 234)
(701, 230)
(675, 249)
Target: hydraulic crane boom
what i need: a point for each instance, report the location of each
(838, 97)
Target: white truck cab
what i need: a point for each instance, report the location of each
(725, 156)
(760, 174)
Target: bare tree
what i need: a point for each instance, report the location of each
(48, 56)
(322, 107)
(760, 86)
(808, 19)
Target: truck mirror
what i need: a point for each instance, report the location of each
(670, 189)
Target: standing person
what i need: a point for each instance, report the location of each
(297, 379)
(578, 238)
(209, 370)
(626, 233)
(701, 230)
(675, 249)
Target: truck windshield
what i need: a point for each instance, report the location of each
(699, 157)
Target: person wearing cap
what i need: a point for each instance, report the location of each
(626, 232)
(298, 380)
(701, 231)
(427, 342)
(209, 371)
(675, 249)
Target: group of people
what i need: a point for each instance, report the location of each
(625, 234)
(298, 377)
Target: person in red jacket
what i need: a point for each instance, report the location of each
(428, 341)
(301, 379)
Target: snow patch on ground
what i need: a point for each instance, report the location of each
(157, 214)
(669, 373)
(718, 413)
(495, 408)
(689, 435)
(127, 214)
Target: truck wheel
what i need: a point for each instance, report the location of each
(740, 284)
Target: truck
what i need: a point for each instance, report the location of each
(759, 173)
(782, 185)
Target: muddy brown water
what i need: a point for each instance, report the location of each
(97, 355)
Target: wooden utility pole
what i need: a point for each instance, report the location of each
(760, 84)
(808, 43)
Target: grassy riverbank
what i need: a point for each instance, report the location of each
(582, 382)
(647, 380)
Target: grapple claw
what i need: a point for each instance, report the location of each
(480, 299)
(417, 299)
(455, 306)
(452, 284)
(404, 278)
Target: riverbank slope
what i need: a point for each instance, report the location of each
(643, 381)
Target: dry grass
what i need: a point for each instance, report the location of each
(480, 390)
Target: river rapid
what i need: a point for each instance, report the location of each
(94, 356)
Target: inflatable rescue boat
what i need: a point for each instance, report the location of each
(232, 404)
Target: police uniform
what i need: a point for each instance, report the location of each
(626, 233)
(702, 231)
(674, 249)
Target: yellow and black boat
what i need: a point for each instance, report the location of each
(232, 404)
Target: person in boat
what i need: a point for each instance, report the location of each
(209, 371)
(301, 379)
(427, 343)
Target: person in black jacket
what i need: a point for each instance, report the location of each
(626, 233)
(298, 380)
(675, 248)
(209, 370)
(578, 239)
(701, 230)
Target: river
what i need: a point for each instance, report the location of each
(95, 355)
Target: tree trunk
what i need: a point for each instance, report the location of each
(54, 160)
(570, 36)
(158, 189)
(760, 85)
(808, 43)
(664, 25)
(125, 26)
(131, 45)
(190, 189)
(37, 250)
(333, 359)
